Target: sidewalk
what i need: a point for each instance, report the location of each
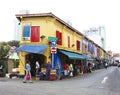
(34, 80)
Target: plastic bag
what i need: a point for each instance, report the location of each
(28, 76)
(71, 74)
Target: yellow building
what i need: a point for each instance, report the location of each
(46, 38)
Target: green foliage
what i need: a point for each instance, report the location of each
(4, 49)
(14, 43)
(16, 63)
(5, 66)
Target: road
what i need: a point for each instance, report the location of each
(100, 82)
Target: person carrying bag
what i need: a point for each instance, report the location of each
(28, 73)
(71, 70)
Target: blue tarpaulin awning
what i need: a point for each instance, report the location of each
(72, 55)
(38, 49)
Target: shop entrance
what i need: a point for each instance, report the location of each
(33, 58)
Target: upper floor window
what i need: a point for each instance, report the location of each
(59, 36)
(78, 45)
(31, 33)
(35, 33)
(26, 33)
(68, 41)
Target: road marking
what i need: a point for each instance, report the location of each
(104, 80)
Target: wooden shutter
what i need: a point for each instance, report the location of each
(59, 36)
(78, 45)
(68, 41)
(26, 32)
(35, 34)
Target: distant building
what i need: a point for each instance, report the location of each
(116, 57)
(16, 29)
(98, 35)
(17, 25)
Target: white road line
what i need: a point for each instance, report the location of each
(104, 80)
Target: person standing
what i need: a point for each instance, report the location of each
(58, 71)
(28, 73)
(71, 70)
(1, 68)
(48, 68)
(37, 67)
(89, 67)
(65, 66)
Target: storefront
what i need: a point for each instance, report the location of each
(32, 53)
(68, 57)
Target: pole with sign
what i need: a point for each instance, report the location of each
(53, 50)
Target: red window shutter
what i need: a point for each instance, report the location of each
(35, 34)
(59, 36)
(68, 42)
(78, 45)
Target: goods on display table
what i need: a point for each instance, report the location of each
(53, 75)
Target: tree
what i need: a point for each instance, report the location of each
(4, 49)
(13, 43)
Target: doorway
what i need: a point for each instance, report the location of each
(33, 58)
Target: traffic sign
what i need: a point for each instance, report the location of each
(53, 43)
(53, 50)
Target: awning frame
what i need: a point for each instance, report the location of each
(37, 49)
(72, 55)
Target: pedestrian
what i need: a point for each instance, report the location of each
(65, 66)
(93, 66)
(1, 67)
(58, 71)
(90, 67)
(48, 68)
(37, 67)
(28, 73)
(71, 70)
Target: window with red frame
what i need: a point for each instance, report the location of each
(68, 41)
(59, 36)
(78, 45)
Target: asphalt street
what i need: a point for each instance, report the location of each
(100, 82)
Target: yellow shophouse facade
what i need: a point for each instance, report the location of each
(38, 31)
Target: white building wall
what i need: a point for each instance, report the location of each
(98, 35)
(16, 29)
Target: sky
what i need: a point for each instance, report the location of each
(83, 14)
